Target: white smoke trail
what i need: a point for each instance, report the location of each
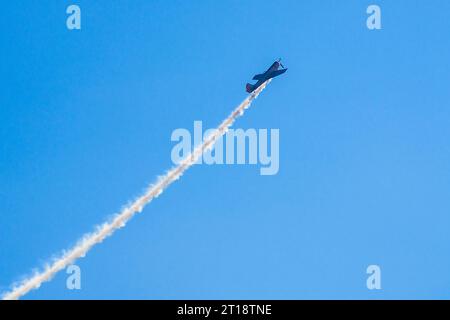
(119, 220)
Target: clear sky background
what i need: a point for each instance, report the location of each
(85, 124)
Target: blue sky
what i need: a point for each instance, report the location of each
(85, 124)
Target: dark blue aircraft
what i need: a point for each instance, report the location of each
(272, 72)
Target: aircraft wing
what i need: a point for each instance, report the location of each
(258, 77)
(273, 74)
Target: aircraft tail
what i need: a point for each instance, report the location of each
(249, 88)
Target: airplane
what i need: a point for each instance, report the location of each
(272, 72)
